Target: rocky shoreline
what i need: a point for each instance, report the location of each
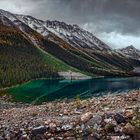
(115, 117)
(70, 75)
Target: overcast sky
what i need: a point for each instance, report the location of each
(117, 22)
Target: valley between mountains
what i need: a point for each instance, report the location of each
(31, 48)
(39, 96)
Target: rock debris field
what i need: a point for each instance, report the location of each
(115, 117)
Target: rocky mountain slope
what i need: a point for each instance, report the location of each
(73, 34)
(131, 51)
(69, 46)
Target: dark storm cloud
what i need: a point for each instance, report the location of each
(108, 19)
(105, 15)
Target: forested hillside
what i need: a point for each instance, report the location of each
(31, 48)
(20, 61)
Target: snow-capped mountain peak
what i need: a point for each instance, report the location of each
(72, 34)
(75, 35)
(131, 51)
(8, 15)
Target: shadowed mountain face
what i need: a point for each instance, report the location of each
(68, 47)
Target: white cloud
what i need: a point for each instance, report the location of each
(111, 29)
(113, 39)
(117, 40)
(18, 6)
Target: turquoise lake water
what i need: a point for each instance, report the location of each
(48, 90)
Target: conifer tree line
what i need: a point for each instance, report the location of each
(20, 61)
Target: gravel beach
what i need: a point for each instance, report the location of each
(115, 117)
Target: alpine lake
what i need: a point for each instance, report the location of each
(39, 91)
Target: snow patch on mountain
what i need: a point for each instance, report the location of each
(131, 51)
(73, 34)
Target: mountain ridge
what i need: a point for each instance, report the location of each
(71, 31)
(27, 19)
(74, 47)
(131, 51)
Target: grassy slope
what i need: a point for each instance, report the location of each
(55, 63)
(79, 58)
(50, 60)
